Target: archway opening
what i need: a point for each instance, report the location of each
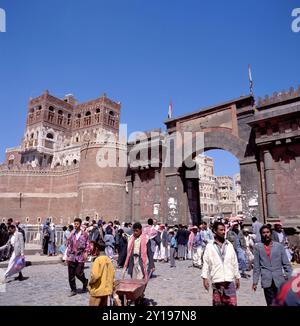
(213, 186)
(219, 185)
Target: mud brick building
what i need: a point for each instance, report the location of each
(57, 170)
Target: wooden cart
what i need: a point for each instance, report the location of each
(129, 290)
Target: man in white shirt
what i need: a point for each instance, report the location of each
(15, 245)
(220, 264)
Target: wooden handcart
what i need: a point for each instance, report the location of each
(128, 291)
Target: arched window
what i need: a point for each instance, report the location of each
(39, 108)
(32, 136)
(111, 118)
(57, 164)
(67, 162)
(51, 113)
(87, 119)
(60, 117)
(98, 110)
(75, 161)
(11, 159)
(78, 115)
(49, 136)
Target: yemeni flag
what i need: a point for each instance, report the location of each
(170, 112)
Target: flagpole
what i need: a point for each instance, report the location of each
(250, 80)
(251, 86)
(170, 111)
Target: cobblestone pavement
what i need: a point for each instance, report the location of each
(48, 286)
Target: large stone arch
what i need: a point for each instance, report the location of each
(226, 141)
(224, 127)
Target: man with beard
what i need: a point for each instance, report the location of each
(269, 261)
(221, 266)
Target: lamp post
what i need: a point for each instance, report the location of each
(20, 200)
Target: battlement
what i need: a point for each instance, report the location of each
(278, 97)
(29, 170)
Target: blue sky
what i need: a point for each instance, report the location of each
(144, 53)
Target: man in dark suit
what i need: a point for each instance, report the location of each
(269, 261)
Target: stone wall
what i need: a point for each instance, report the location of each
(287, 179)
(28, 195)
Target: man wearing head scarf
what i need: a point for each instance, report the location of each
(162, 244)
(139, 261)
(151, 233)
(233, 237)
(21, 230)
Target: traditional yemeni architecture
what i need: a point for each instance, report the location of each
(54, 173)
(226, 196)
(209, 204)
(238, 194)
(57, 171)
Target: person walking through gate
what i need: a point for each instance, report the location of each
(77, 252)
(270, 260)
(220, 264)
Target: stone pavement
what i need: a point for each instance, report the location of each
(47, 285)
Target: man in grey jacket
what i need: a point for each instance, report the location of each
(269, 261)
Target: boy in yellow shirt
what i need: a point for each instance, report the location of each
(102, 278)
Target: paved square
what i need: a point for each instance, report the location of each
(47, 285)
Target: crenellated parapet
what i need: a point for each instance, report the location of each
(278, 97)
(30, 170)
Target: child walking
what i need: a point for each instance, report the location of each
(102, 278)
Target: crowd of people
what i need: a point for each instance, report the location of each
(224, 250)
